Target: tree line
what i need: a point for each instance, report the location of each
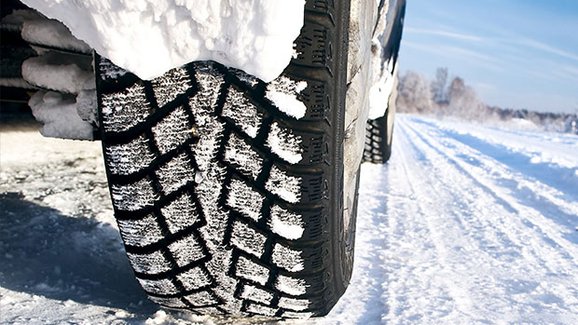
(443, 97)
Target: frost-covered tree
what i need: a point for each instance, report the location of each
(438, 86)
(414, 95)
(463, 101)
(417, 94)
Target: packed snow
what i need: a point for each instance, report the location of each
(59, 116)
(150, 37)
(466, 224)
(381, 91)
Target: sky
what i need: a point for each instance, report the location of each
(514, 53)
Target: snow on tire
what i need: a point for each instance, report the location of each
(229, 191)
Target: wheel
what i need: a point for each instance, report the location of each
(379, 129)
(229, 192)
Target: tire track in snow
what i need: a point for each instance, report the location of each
(489, 173)
(519, 273)
(451, 244)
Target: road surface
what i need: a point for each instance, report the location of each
(466, 224)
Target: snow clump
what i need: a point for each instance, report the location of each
(150, 37)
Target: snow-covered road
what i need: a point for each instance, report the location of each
(466, 224)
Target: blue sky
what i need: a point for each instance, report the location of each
(514, 53)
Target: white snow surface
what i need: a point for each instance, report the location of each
(467, 224)
(150, 37)
(59, 116)
(381, 91)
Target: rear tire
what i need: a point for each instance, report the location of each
(228, 201)
(379, 135)
(379, 131)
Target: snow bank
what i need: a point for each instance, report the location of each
(150, 37)
(59, 72)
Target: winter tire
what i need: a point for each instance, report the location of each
(229, 192)
(379, 131)
(378, 141)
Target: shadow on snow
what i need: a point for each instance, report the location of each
(43, 252)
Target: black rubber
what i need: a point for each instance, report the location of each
(215, 217)
(377, 146)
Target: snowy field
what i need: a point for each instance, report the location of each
(467, 224)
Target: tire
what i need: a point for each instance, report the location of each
(379, 131)
(227, 203)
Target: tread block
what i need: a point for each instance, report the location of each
(187, 250)
(126, 159)
(153, 263)
(211, 134)
(201, 299)
(171, 85)
(194, 279)
(209, 193)
(135, 196)
(124, 110)
(286, 224)
(284, 185)
(180, 214)
(172, 131)
(255, 294)
(211, 311)
(158, 287)
(292, 314)
(284, 143)
(140, 232)
(220, 264)
(209, 81)
(285, 94)
(260, 309)
(316, 150)
(242, 112)
(294, 304)
(315, 188)
(175, 174)
(246, 160)
(248, 239)
(244, 199)
(291, 285)
(249, 270)
(288, 258)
